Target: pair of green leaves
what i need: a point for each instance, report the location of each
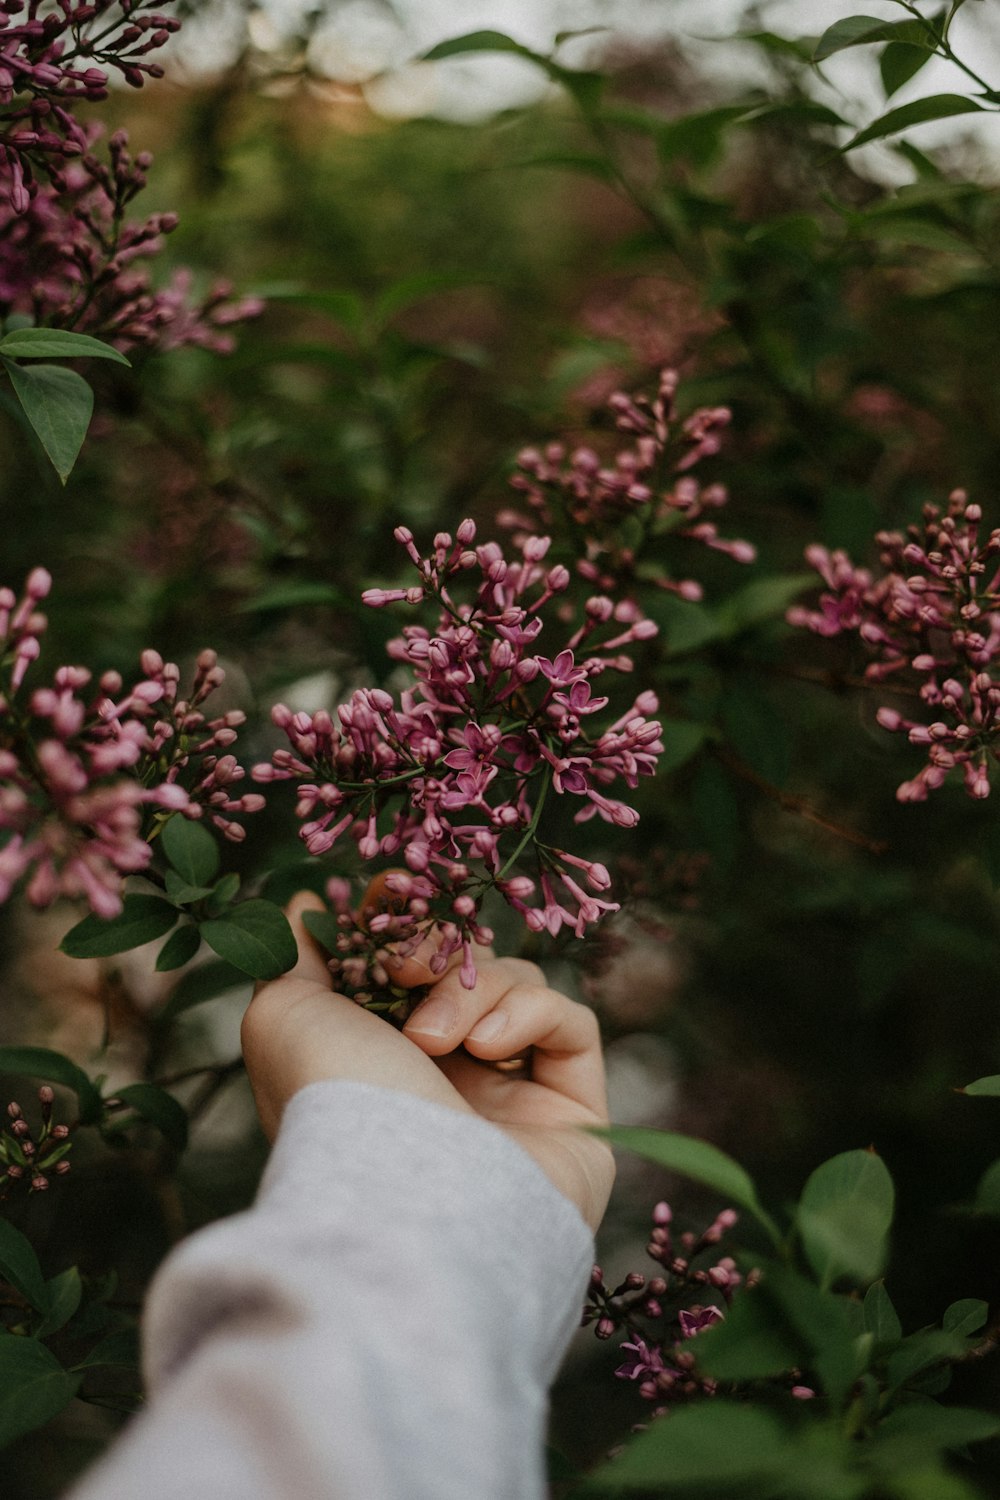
(843, 1217)
(909, 46)
(58, 403)
(253, 936)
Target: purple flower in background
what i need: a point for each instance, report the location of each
(931, 625)
(78, 774)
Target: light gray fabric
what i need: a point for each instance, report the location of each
(383, 1324)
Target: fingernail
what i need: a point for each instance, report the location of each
(489, 1028)
(436, 1018)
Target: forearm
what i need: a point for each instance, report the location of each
(384, 1323)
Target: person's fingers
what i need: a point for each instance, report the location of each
(311, 962)
(442, 1021)
(511, 1009)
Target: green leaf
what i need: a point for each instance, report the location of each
(693, 1158)
(925, 1424)
(565, 161)
(223, 893)
(681, 740)
(759, 600)
(179, 949)
(481, 41)
(751, 1343)
(120, 1348)
(142, 920)
(771, 41)
(53, 1067)
(56, 343)
(254, 937)
(345, 308)
(416, 288)
(685, 626)
(844, 1216)
(159, 1108)
(183, 894)
(931, 1481)
(710, 1443)
(191, 850)
(857, 31)
(881, 1318)
(825, 1325)
(34, 1387)
(988, 1192)
(987, 1088)
(804, 111)
(920, 1351)
(292, 596)
(58, 404)
(201, 984)
(966, 1316)
(697, 137)
(64, 1292)
(19, 1265)
(935, 107)
(900, 62)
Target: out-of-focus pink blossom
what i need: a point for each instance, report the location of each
(588, 498)
(930, 621)
(79, 775)
(71, 258)
(51, 58)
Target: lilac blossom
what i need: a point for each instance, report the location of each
(81, 776)
(450, 776)
(30, 1158)
(587, 498)
(930, 621)
(664, 1313)
(51, 58)
(71, 258)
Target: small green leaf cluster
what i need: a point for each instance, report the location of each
(908, 46)
(198, 905)
(55, 1332)
(817, 1306)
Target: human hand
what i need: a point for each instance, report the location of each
(297, 1031)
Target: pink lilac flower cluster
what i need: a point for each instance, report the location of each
(53, 56)
(28, 1158)
(587, 499)
(71, 259)
(931, 622)
(450, 777)
(675, 1301)
(77, 774)
(678, 1304)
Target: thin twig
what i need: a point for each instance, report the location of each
(799, 805)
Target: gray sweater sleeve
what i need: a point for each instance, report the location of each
(383, 1324)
